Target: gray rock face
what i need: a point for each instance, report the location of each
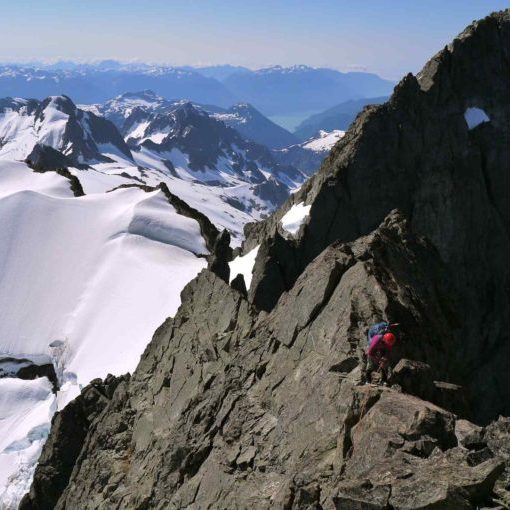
(418, 154)
(261, 401)
(235, 408)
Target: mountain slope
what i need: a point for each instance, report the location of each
(209, 145)
(279, 90)
(200, 158)
(307, 156)
(220, 72)
(419, 154)
(234, 409)
(254, 126)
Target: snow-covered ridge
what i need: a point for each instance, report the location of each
(85, 282)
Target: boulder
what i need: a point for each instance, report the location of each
(469, 435)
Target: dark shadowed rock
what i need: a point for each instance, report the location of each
(221, 256)
(414, 377)
(45, 158)
(239, 284)
(33, 371)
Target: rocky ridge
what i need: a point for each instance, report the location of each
(261, 402)
(417, 153)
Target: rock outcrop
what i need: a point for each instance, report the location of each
(260, 400)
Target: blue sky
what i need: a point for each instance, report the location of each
(389, 37)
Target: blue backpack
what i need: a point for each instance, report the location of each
(377, 329)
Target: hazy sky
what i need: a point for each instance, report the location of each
(389, 37)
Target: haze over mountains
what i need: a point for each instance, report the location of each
(275, 90)
(339, 116)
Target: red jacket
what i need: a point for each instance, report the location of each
(378, 349)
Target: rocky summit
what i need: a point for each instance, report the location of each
(260, 399)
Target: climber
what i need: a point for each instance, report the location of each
(381, 340)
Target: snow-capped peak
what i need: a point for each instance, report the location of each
(58, 123)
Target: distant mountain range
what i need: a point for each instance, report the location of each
(98, 84)
(143, 139)
(280, 90)
(274, 90)
(337, 117)
(144, 118)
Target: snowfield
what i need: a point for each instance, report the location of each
(293, 219)
(243, 264)
(325, 141)
(15, 177)
(100, 272)
(92, 275)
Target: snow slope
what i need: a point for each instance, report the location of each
(100, 272)
(307, 156)
(293, 219)
(92, 275)
(243, 264)
(15, 177)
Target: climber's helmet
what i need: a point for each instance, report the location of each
(389, 339)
